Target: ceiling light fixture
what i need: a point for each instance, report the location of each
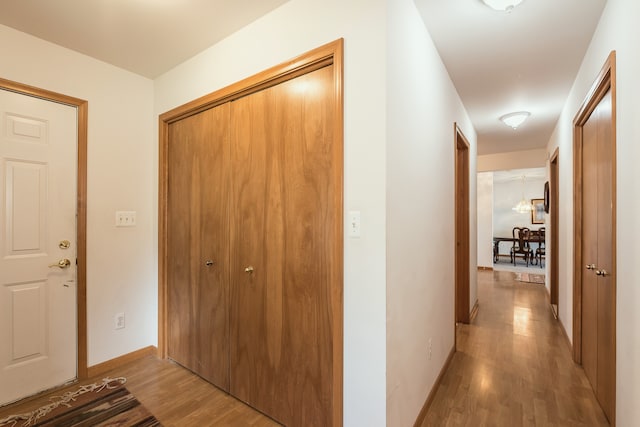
(502, 5)
(514, 120)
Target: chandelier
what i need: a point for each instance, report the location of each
(523, 205)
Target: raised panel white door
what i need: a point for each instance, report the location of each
(38, 162)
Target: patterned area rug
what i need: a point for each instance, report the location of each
(107, 403)
(530, 277)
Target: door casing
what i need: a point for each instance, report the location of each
(605, 82)
(82, 108)
(555, 230)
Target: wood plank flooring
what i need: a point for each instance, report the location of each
(513, 366)
(174, 395)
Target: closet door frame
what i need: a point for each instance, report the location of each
(331, 53)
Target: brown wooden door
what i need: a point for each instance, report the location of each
(198, 244)
(589, 250)
(286, 209)
(598, 315)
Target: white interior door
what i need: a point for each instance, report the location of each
(38, 162)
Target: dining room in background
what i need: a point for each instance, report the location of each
(501, 196)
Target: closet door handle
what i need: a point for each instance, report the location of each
(208, 263)
(249, 270)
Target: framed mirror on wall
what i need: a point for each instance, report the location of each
(537, 211)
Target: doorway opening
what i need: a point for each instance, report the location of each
(462, 308)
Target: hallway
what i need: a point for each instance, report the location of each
(513, 366)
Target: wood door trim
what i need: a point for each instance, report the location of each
(82, 108)
(606, 81)
(554, 167)
(331, 53)
(303, 64)
(462, 300)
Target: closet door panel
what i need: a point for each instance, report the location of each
(198, 244)
(284, 214)
(249, 148)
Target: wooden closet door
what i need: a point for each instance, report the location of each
(198, 244)
(606, 292)
(286, 203)
(590, 251)
(598, 294)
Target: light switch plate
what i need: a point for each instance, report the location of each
(119, 321)
(354, 224)
(125, 218)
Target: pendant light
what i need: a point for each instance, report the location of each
(523, 205)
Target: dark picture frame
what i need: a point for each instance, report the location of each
(546, 197)
(537, 211)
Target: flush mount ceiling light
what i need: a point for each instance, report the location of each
(514, 120)
(502, 5)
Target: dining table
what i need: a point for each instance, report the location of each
(533, 238)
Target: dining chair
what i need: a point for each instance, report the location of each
(540, 250)
(521, 245)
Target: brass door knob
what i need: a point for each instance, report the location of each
(63, 263)
(249, 270)
(602, 273)
(208, 263)
(591, 266)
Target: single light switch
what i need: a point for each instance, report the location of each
(354, 224)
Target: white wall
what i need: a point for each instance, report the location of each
(121, 271)
(422, 106)
(292, 29)
(485, 219)
(617, 30)
(512, 160)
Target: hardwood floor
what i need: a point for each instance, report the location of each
(174, 395)
(513, 366)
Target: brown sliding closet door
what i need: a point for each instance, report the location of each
(285, 205)
(198, 244)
